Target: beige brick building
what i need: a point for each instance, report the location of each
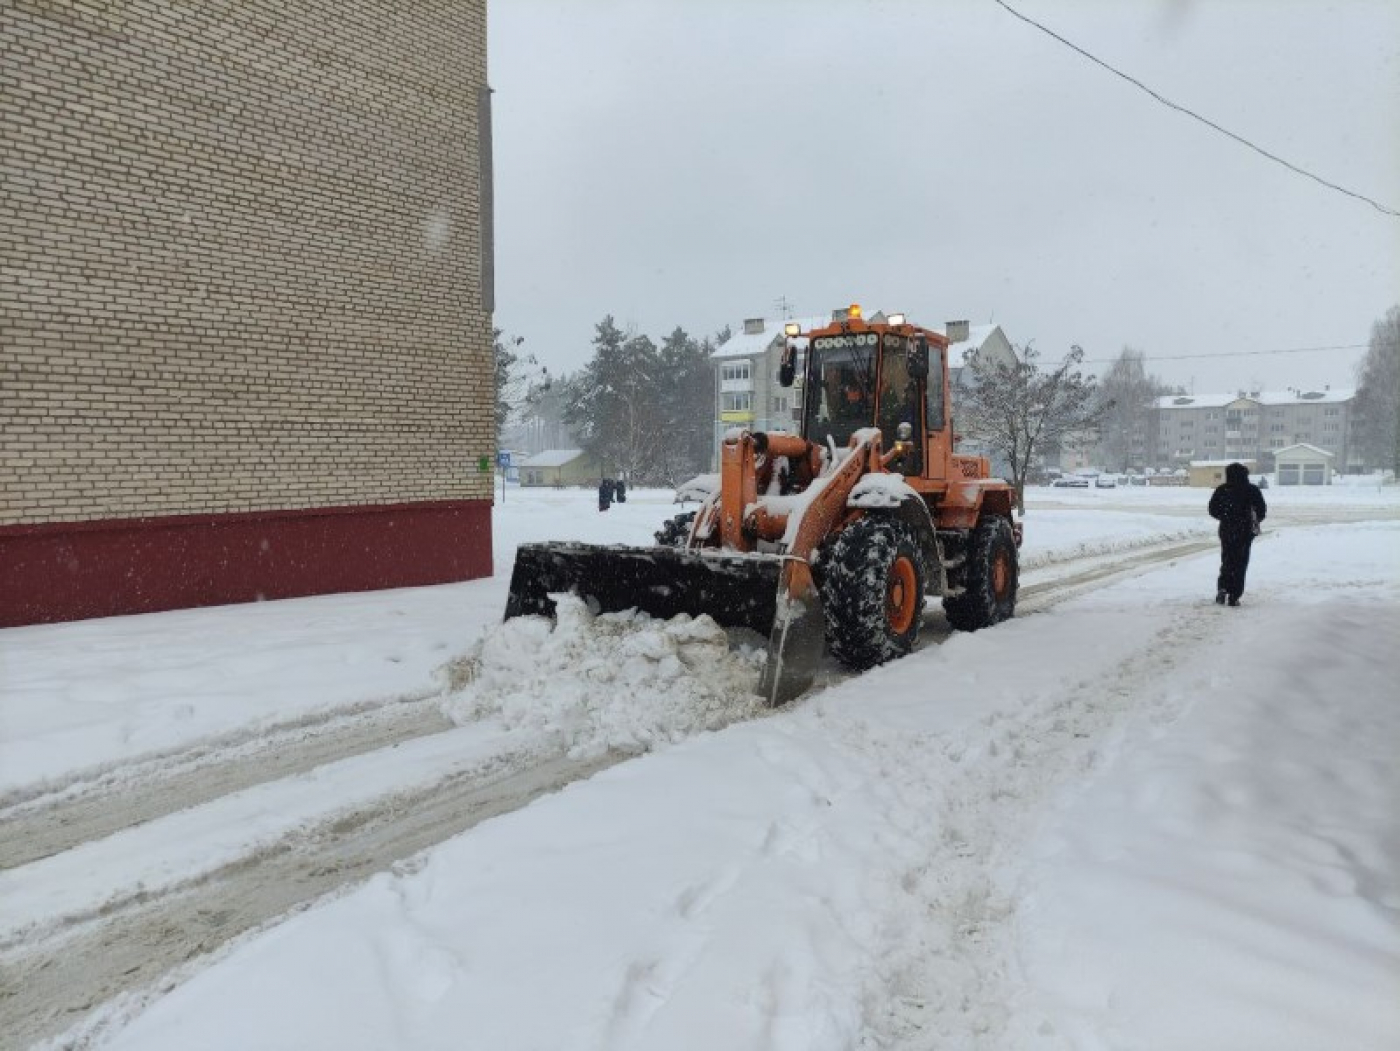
(245, 295)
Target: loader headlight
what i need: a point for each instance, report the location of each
(792, 328)
(896, 319)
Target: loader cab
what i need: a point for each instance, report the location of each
(865, 379)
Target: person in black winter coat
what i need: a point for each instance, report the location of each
(1239, 507)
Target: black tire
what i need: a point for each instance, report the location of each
(675, 531)
(990, 578)
(872, 587)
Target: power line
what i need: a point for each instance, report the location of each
(1232, 353)
(1196, 116)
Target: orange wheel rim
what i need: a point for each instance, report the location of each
(901, 596)
(1001, 574)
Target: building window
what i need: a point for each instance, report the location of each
(737, 401)
(1331, 411)
(1331, 425)
(737, 371)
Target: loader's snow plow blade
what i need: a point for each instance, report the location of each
(737, 591)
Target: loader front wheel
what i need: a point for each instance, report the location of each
(990, 578)
(872, 585)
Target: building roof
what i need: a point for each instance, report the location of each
(747, 344)
(1302, 445)
(1268, 397)
(551, 458)
(976, 336)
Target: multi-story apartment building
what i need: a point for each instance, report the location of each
(1250, 425)
(247, 302)
(747, 393)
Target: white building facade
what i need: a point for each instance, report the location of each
(1252, 425)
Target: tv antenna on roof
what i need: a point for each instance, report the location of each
(784, 307)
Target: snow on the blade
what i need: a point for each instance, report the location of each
(613, 681)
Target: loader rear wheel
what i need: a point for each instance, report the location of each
(990, 578)
(676, 531)
(872, 585)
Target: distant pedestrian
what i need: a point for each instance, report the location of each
(1239, 507)
(605, 493)
(620, 491)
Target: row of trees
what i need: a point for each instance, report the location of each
(644, 411)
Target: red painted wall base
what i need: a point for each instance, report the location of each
(75, 570)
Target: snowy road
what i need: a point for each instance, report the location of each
(120, 883)
(200, 847)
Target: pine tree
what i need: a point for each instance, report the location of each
(687, 395)
(612, 404)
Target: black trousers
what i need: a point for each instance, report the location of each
(1234, 561)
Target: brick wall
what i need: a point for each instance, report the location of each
(240, 257)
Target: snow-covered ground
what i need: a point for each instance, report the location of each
(1127, 819)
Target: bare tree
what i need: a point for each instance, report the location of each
(1126, 392)
(1016, 408)
(519, 377)
(1377, 426)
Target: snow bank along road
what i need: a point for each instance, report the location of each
(125, 881)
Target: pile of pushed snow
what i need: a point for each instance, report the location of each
(613, 681)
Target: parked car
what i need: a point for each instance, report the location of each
(1106, 481)
(1070, 481)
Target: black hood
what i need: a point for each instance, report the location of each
(1237, 474)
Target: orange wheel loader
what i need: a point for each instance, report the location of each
(829, 538)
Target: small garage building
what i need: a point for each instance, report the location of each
(1303, 464)
(559, 467)
(1210, 473)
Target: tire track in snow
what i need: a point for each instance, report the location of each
(207, 770)
(152, 944)
(32, 831)
(1036, 598)
(949, 982)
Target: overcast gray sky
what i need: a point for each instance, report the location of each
(688, 162)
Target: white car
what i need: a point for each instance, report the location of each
(1070, 481)
(1106, 481)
